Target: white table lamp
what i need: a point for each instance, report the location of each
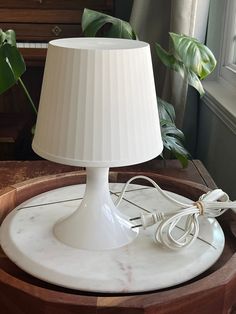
(98, 109)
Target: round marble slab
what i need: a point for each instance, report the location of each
(28, 240)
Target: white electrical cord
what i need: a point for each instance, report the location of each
(209, 205)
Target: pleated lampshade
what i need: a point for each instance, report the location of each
(98, 104)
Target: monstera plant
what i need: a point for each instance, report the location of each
(12, 64)
(187, 56)
(190, 58)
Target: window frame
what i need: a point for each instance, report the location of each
(220, 91)
(227, 69)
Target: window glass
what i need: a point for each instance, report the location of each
(228, 51)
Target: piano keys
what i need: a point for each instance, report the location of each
(33, 45)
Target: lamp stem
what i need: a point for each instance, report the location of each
(97, 224)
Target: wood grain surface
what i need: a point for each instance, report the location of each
(12, 172)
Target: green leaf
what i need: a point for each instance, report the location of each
(183, 159)
(170, 129)
(2, 37)
(173, 140)
(196, 57)
(93, 21)
(7, 78)
(15, 60)
(194, 81)
(170, 61)
(166, 111)
(11, 37)
(190, 58)
(12, 64)
(166, 58)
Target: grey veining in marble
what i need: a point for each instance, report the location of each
(28, 240)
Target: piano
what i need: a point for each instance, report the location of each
(36, 22)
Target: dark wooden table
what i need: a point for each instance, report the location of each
(12, 172)
(213, 291)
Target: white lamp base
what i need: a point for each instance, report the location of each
(28, 240)
(97, 224)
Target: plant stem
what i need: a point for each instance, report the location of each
(28, 95)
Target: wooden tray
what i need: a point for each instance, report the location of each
(214, 290)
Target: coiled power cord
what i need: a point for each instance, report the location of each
(209, 205)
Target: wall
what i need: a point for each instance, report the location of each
(216, 142)
(123, 9)
(217, 148)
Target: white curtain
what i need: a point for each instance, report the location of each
(152, 20)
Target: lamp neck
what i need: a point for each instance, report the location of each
(97, 179)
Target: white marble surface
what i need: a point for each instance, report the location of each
(28, 240)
